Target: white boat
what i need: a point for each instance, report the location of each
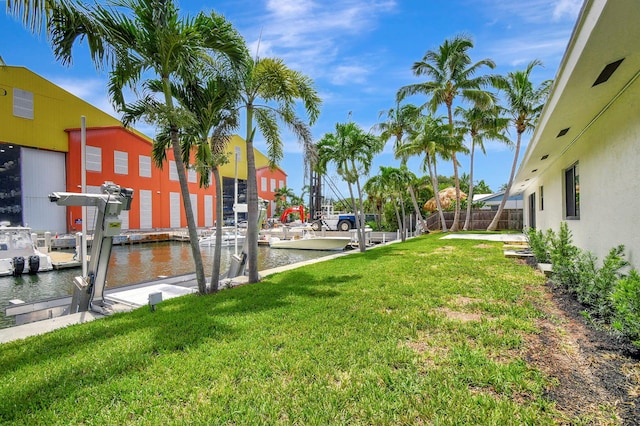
(19, 254)
(228, 239)
(308, 240)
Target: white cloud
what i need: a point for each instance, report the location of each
(309, 34)
(568, 8)
(349, 74)
(91, 90)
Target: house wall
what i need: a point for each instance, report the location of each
(608, 154)
(161, 184)
(275, 179)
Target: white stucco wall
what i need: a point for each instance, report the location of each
(608, 154)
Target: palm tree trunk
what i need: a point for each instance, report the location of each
(217, 252)
(355, 211)
(404, 219)
(456, 211)
(188, 211)
(494, 223)
(455, 226)
(419, 217)
(398, 218)
(467, 220)
(433, 172)
(252, 203)
(186, 199)
(360, 216)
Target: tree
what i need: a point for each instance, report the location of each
(138, 38)
(429, 138)
(352, 150)
(210, 102)
(400, 121)
(281, 196)
(524, 103)
(481, 124)
(272, 82)
(377, 197)
(452, 75)
(32, 12)
(395, 181)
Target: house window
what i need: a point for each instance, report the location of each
(121, 162)
(263, 184)
(23, 104)
(532, 210)
(173, 171)
(93, 159)
(572, 192)
(144, 163)
(273, 185)
(541, 191)
(281, 184)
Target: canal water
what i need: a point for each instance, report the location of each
(131, 264)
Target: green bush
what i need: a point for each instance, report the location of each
(626, 302)
(609, 296)
(540, 244)
(563, 256)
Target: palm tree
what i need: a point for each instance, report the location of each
(524, 103)
(400, 121)
(281, 196)
(377, 196)
(396, 181)
(271, 82)
(480, 124)
(429, 138)
(452, 75)
(155, 40)
(352, 150)
(211, 102)
(32, 12)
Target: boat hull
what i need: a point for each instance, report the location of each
(317, 243)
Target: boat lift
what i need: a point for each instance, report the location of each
(89, 291)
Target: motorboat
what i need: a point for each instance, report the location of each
(305, 238)
(228, 239)
(19, 254)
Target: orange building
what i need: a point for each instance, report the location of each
(41, 150)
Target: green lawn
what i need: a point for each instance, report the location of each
(425, 332)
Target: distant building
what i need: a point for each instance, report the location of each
(581, 165)
(492, 201)
(40, 153)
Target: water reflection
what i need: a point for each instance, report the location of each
(136, 263)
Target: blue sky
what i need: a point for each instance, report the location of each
(358, 52)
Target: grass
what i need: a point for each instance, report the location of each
(428, 331)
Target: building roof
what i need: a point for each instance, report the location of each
(605, 33)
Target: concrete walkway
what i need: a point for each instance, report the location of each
(505, 238)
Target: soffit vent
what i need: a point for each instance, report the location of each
(607, 72)
(544, 157)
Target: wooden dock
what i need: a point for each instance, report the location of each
(64, 260)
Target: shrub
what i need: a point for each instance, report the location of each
(540, 244)
(563, 256)
(626, 302)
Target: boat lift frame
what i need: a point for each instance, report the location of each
(89, 291)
